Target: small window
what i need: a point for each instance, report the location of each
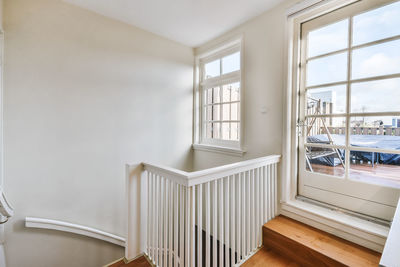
(220, 95)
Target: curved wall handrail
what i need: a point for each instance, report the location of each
(74, 228)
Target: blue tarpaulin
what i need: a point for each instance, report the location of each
(370, 141)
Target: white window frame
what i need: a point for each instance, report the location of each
(360, 231)
(218, 145)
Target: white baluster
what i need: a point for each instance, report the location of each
(248, 213)
(226, 207)
(192, 225)
(149, 212)
(215, 214)
(157, 219)
(239, 217)
(269, 192)
(261, 192)
(170, 213)
(252, 209)
(187, 227)
(199, 225)
(257, 207)
(233, 220)
(221, 221)
(165, 222)
(181, 226)
(276, 188)
(176, 220)
(265, 194)
(244, 214)
(208, 234)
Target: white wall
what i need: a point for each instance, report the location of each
(83, 96)
(264, 66)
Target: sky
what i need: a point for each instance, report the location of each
(381, 59)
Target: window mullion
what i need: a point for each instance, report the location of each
(348, 98)
(221, 114)
(230, 113)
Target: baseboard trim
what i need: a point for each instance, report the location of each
(42, 223)
(366, 234)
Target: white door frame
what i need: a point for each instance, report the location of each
(365, 233)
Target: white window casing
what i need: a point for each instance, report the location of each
(213, 140)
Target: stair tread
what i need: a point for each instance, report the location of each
(341, 250)
(267, 257)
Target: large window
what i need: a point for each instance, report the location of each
(350, 107)
(220, 97)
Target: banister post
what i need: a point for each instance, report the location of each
(136, 211)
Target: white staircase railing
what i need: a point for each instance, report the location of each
(212, 217)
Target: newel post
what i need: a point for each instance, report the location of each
(136, 211)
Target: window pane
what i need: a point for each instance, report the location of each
(377, 24)
(326, 100)
(226, 112)
(225, 131)
(212, 69)
(217, 95)
(216, 113)
(328, 39)
(331, 130)
(381, 59)
(327, 69)
(381, 168)
(376, 96)
(235, 111)
(208, 113)
(209, 96)
(226, 93)
(375, 132)
(234, 131)
(231, 63)
(235, 91)
(216, 130)
(208, 130)
(325, 161)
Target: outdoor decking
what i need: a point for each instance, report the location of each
(384, 174)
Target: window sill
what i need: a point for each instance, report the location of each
(219, 149)
(359, 231)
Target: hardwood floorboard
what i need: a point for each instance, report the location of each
(266, 257)
(139, 262)
(312, 247)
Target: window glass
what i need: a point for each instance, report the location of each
(326, 100)
(377, 24)
(375, 167)
(376, 96)
(231, 63)
(375, 132)
(328, 39)
(381, 59)
(327, 69)
(212, 69)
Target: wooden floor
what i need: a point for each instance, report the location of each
(384, 174)
(309, 246)
(266, 257)
(139, 262)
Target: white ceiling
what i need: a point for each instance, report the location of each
(190, 22)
